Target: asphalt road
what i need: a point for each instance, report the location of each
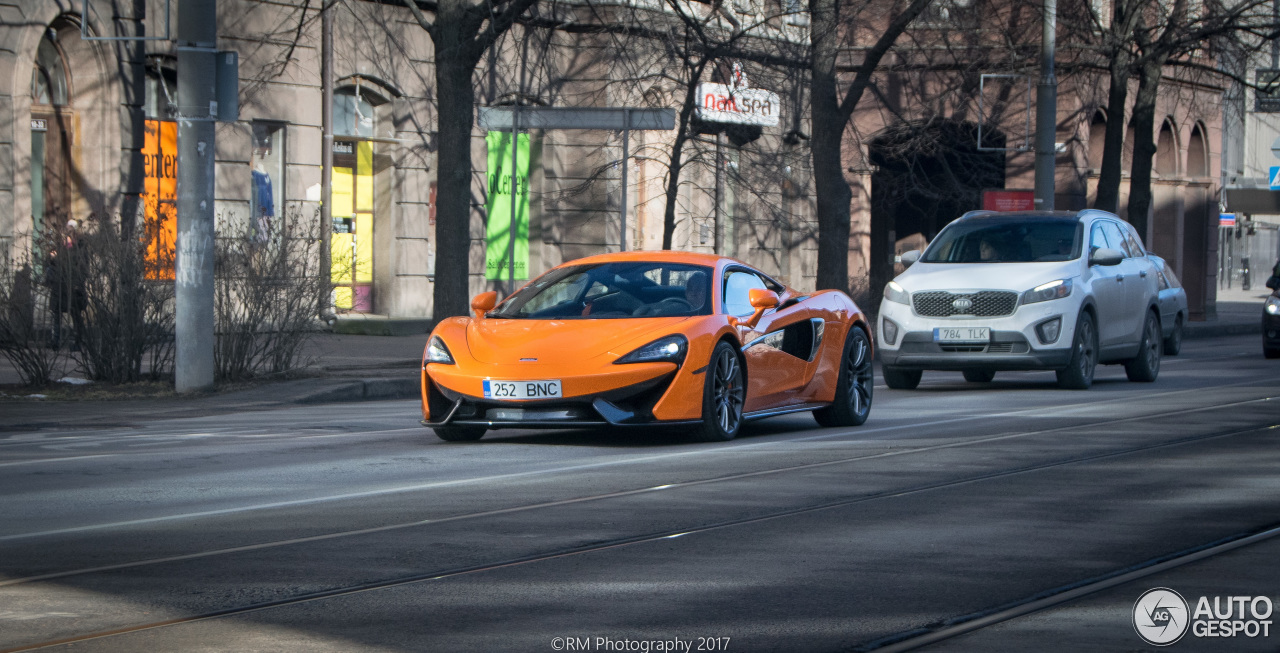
(1002, 516)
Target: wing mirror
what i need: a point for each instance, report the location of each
(762, 300)
(483, 303)
(1106, 256)
(909, 258)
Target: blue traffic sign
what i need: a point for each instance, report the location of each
(1274, 177)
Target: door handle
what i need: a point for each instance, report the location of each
(1143, 274)
(1119, 278)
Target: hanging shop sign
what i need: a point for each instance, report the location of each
(160, 196)
(498, 230)
(738, 106)
(997, 199)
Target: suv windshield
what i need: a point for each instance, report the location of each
(1005, 240)
(611, 291)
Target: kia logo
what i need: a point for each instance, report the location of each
(962, 305)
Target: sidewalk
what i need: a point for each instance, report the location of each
(371, 367)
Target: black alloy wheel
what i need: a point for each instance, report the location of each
(1145, 367)
(979, 376)
(723, 396)
(854, 386)
(902, 379)
(1173, 344)
(459, 433)
(1078, 374)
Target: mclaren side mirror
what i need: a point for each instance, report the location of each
(1106, 256)
(909, 258)
(762, 300)
(483, 303)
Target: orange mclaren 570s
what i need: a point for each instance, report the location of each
(644, 339)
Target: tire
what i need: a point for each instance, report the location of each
(979, 376)
(902, 379)
(723, 394)
(1145, 367)
(459, 433)
(1078, 374)
(1271, 352)
(1173, 344)
(852, 403)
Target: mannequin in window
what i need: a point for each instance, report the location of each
(263, 201)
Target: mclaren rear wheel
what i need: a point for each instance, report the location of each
(852, 404)
(723, 394)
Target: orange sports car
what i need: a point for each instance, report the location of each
(648, 338)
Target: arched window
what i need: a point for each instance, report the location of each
(1166, 164)
(352, 112)
(1197, 153)
(49, 79)
(1097, 139)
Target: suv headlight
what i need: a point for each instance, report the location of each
(1047, 291)
(1273, 305)
(670, 349)
(895, 293)
(437, 352)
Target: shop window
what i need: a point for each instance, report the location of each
(267, 197)
(160, 167)
(352, 113)
(49, 79)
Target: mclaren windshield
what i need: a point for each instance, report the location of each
(1006, 240)
(612, 291)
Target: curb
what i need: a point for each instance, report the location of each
(1213, 330)
(363, 390)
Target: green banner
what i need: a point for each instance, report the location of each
(497, 231)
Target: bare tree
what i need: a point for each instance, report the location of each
(461, 32)
(830, 115)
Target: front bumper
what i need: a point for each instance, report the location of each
(630, 405)
(1014, 344)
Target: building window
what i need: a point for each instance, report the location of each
(267, 197)
(352, 113)
(162, 83)
(49, 80)
(949, 14)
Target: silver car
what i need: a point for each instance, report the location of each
(1173, 306)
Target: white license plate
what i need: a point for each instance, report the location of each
(549, 389)
(962, 334)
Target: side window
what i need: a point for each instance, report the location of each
(1097, 240)
(1135, 243)
(1117, 239)
(737, 287)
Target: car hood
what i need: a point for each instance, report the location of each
(499, 341)
(984, 276)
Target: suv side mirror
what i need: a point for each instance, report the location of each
(909, 258)
(483, 303)
(1106, 256)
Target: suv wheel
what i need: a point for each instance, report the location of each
(1078, 374)
(1146, 365)
(1173, 344)
(902, 379)
(979, 376)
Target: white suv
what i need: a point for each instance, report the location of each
(1031, 290)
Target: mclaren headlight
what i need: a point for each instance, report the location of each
(1047, 291)
(437, 352)
(670, 349)
(895, 293)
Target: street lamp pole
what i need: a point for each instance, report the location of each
(1046, 112)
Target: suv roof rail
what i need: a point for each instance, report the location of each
(971, 214)
(1085, 213)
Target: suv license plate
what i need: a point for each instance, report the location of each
(549, 389)
(962, 334)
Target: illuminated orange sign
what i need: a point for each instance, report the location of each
(160, 157)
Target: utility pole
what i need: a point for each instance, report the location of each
(193, 279)
(1047, 112)
(326, 154)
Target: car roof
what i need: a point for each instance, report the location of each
(1066, 216)
(664, 256)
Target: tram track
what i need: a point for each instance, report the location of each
(910, 639)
